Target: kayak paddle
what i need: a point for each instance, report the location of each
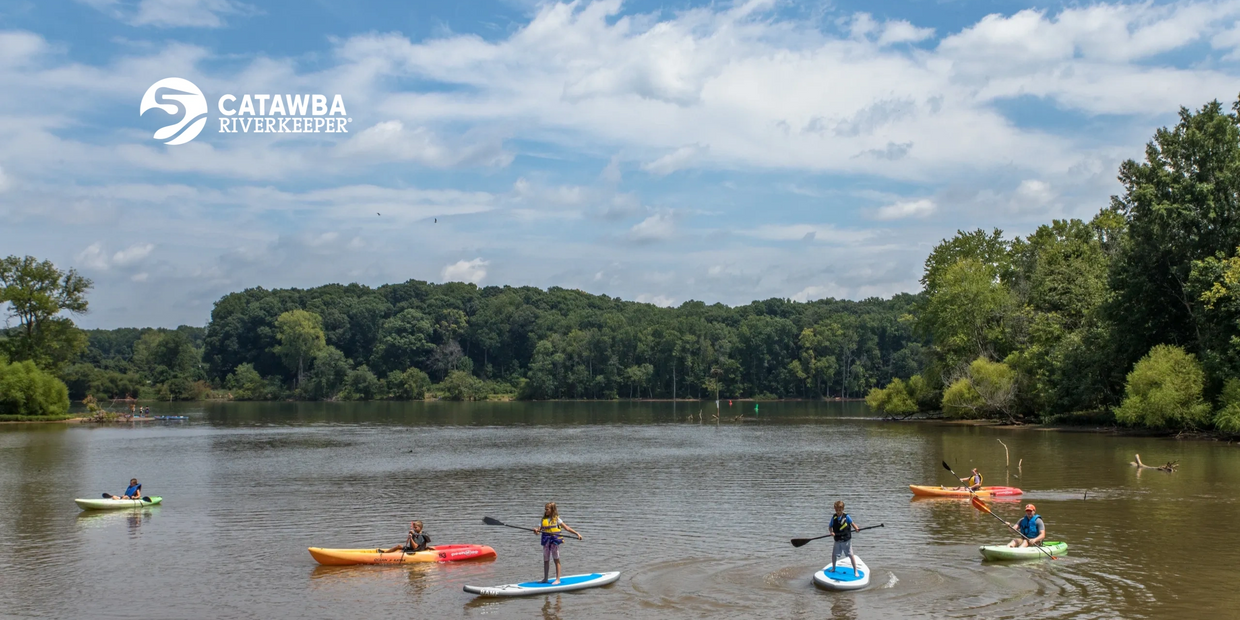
(980, 505)
(492, 521)
(801, 542)
(110, 496)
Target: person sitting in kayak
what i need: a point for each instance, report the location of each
(973, 481)
(842, 527)
(134, 490)
(550, 529)
(1031, 527)
(416, 541)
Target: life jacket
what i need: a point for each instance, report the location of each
(975, 480)
(133, 490)
(550, 531)
(419, 541)
(841, 527)
(1028, 526)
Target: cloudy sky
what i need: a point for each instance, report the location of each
(653, 150)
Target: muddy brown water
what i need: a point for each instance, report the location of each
(697, 516)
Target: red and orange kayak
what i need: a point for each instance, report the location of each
(438, 553)
(941, 491)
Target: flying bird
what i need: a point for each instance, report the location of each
(436, 220)
(377, 213)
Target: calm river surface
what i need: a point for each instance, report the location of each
(696, 516)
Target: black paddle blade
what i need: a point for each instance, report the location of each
(146, 499)
(490, 521)
(800, 542)
(948, 467)
(107, 496)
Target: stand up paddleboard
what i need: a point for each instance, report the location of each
(530, 588)
(842, 578)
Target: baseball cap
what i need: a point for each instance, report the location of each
(1031, 507)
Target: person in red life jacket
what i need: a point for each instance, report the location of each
(550, 528)
(1031, 527)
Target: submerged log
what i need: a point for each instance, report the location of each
(1169, 467)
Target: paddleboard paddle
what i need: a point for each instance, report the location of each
(494, 521)
(801, 542)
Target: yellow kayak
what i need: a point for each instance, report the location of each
(940, 491)
(438, 553)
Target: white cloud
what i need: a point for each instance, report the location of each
(390, 141)
(657, 227)
(140, 277)
(906, 209)
(820, 233)
(472, 271)
(185, 13)
(18, 47)
(900, 31)
(1032, 195)
(659, 300)
(811, 293)
(4, 180)
(679, 159)
(93, 257)
(132, 254)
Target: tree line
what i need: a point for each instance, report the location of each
(1131, 317)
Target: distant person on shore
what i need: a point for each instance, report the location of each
(842, 527)
(973, 481)
(550, 528)
(1031, 527)
(416, 541)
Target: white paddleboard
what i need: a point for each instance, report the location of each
(530, 588)
(842, 578)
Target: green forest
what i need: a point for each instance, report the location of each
(1132, 317)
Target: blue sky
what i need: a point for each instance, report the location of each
(656, 151)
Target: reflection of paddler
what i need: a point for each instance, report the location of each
(550, 529)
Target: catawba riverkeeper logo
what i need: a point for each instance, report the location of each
(251, 113)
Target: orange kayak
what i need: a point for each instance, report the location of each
(438, 553)
(941, 491)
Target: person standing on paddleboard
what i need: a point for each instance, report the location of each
(1031, 527)
(842, 527)
(550, 529)
(416, 540)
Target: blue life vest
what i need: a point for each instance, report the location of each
(841, 527)
(133, 490)
(1029, 526)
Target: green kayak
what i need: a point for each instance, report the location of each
(1004, 552)
(112, 504)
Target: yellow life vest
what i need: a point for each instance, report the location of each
(551, 525)
(975, 480)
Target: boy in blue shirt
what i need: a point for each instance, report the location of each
(842, 527)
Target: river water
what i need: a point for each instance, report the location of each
(697, 516)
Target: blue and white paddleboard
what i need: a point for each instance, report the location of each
(843, 578)
(529, 588)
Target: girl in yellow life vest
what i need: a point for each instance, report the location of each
(974, 480)
(550, 529)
